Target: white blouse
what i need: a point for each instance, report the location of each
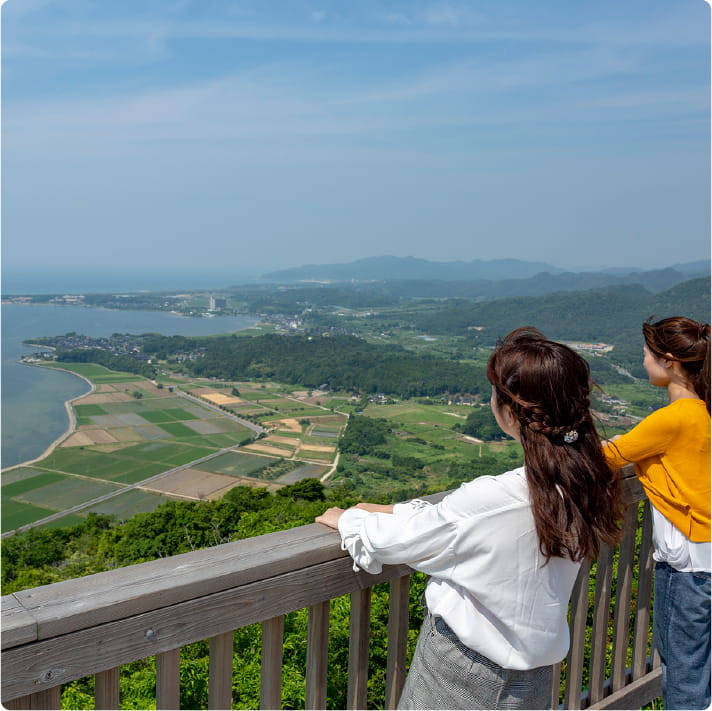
(672, 546)
(489, 580)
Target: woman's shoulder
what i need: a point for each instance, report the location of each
(693, 404)
(485, 492)
(684, 411)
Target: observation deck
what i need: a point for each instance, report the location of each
(91, 626)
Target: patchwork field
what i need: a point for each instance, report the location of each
(128, 430)
(139, 444)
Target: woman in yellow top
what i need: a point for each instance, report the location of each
(671, 451)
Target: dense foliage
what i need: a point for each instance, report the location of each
(123, 363)
(363, 435)
(339, 362)
(480, 423)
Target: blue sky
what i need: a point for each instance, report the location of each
(262, 134)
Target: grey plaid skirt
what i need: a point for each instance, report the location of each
(446, 674)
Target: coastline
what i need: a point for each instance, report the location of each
(71, 427)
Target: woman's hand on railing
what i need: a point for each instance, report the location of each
(330, 517)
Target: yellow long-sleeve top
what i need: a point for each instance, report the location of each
(671, 451)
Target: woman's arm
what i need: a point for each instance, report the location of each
(649, 437)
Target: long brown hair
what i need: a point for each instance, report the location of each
(576, 498)
(686, 341)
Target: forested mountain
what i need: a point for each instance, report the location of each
(610, 314)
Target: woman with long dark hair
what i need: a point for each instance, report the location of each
(503, 552)
(671, 449)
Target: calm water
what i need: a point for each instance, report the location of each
(33, 413)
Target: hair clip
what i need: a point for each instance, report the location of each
(570, 437)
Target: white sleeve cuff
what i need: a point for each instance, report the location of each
(350, 525)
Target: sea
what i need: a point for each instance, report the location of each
(32, 411)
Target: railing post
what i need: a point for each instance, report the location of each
(577, 622)
(645, 593)
(624, 590)
(220, 675)
(271, 672)
(599, 633)
(359, 633)
(168, 679)
(47, 700)
(317, 655)
(106, 689)
(397, 639)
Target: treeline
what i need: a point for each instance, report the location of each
(99, 356)
(342, 363)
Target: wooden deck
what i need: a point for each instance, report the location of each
(92, 625)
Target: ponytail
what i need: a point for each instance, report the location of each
(686, 341)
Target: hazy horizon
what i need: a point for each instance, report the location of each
(249, 136)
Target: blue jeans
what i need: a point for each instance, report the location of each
(681, 632)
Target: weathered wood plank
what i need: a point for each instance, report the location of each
(317, 655)
(106, 689)
(398, 605)
(72, 656)
(632, 488)
(220, 673)
(624, 591)
(635, 695)
(272, 653)
(77, 604)
(359, 634)
(168, 679)
(18, 625)
(601, 610)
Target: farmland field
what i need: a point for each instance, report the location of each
(237, 464)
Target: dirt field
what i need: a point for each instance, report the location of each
(317, 448)
(101, 398)
(221, 399)
(291, 441)
(257, 447)
(194, 484)
(84, 438)
(289, 424)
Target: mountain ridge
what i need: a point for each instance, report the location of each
(390, 268)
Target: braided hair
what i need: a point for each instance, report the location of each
(576, 499)
(686, 341)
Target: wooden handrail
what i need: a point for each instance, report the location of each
(92, 625)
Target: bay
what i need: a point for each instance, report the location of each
(32, 403)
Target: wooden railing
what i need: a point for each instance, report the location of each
(91, 626)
